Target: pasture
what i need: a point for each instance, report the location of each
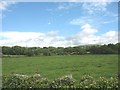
(57, 66)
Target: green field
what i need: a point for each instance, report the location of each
(57, 66)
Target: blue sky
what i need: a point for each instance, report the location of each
(67, 24)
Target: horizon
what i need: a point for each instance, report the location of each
(58, 24)
(63, 47)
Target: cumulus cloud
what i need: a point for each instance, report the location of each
(109, 37)
(86, 36)
(30, 39)
(88, 29)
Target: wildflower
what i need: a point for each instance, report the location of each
(37, 75)
(86, 86)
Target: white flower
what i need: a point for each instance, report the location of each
(37, 75)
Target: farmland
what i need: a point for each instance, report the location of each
(57, 66)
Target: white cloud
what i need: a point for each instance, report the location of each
(5, 4)
(77, 21)
(69, 5)
(97, 6)
(93, 7)
(109, 37)
(87, 35)
(60, 7)
(88, 29)
(89, 5)
(31, 39)
(81, 21)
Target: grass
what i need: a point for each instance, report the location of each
(57, 66)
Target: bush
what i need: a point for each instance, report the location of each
(24, 81)
(63, 82)
(86, 82)
(101, 83)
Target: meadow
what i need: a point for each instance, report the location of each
(56, 66)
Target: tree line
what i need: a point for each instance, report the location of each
(49, 51)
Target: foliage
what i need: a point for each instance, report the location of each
(36, 81)
(101, 83)
(48, 51)
(63, 82)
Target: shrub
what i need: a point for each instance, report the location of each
(86, 82)
(63, 82)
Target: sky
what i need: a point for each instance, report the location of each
(58, 24)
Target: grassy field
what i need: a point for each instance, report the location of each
(57, 66)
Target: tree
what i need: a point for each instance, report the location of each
(46, 52)
(30, 52)
(6, 50)
(60, 51)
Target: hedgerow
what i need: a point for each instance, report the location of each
(86, 82)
